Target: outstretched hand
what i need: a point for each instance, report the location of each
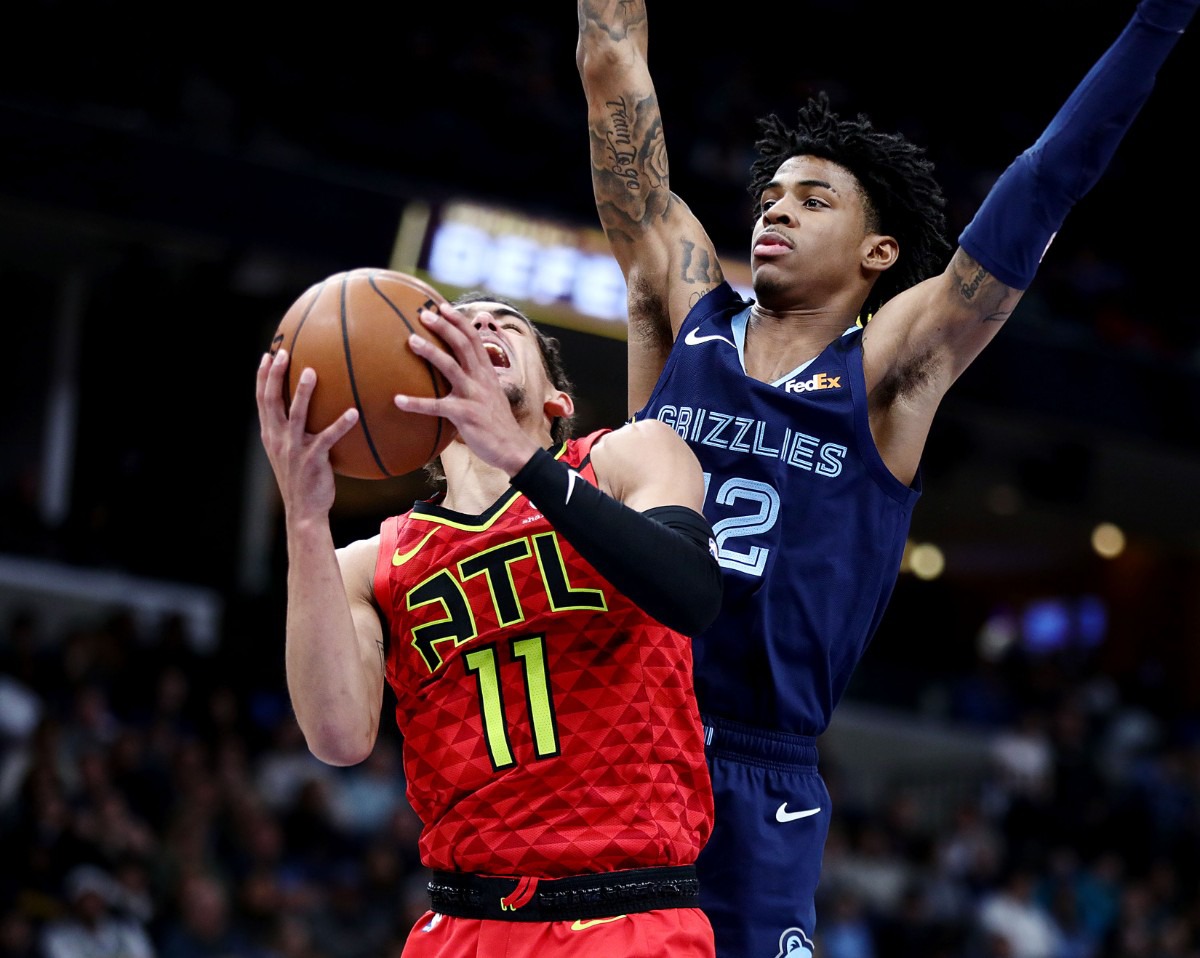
(299, 458)
(477, 403)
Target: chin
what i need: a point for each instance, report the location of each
(515, 394)
(766, 287)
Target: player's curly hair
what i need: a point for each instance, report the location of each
(551, 350)
(904, 199)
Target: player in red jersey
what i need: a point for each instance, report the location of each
(532, 620)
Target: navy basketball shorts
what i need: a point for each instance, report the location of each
(759, 871)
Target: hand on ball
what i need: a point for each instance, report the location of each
(478, 404)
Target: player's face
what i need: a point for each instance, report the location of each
(807, 239)
(512, 345)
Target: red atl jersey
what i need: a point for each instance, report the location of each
(549, 724)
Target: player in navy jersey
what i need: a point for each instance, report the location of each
(532, 619)
(809, 406)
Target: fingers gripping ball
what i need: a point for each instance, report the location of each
(352, 329)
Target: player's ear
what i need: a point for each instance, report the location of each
(559, 405)
(879, 252)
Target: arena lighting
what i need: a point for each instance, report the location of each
(564, 269)
(1108, 540)
(1055, 623)
(925, 560)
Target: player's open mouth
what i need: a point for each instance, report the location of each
(497, 354)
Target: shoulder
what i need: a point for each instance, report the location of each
(577, 449)
(358, 557)
(641, 446)
(714, 314)
(638, 434)
(721, 299)
(852, 338)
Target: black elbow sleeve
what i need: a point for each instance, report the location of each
(664, 559)
(698, 587)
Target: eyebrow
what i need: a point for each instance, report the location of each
(822, 183)
(472, 308)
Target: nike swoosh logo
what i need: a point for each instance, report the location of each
(572, 475)
(580, 925)
(399, 558)
(694, 339)
(783, 815)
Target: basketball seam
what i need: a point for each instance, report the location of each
(288, 389)
(429, 367)
(362, 416)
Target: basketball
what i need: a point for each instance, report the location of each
(352, 329)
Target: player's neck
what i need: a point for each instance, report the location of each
(778, 342)
(472, 486)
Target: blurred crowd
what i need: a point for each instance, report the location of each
(1080, 840)
(156, 802)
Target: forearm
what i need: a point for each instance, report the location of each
(629, 173)
(334, 692)
(667, 567)
(666, 257)
(1029, 202)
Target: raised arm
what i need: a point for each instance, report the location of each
(334, 641)
(945, 322)
(664, 253)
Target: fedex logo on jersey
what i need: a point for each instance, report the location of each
(819, 381)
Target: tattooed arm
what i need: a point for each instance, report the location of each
(664, 253)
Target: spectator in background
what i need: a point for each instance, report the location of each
(848, 933)
(18, 935)
(364, 797)
(1013, 914)
(344, 923)
(204, 925)
(286, 765)
(90, 927)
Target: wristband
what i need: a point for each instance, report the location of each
(1027, 205)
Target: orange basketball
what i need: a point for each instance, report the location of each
(352, 329)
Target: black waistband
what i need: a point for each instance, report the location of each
(602, 895)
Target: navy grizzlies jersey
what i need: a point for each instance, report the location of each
(810, 523)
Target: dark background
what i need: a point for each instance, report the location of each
(168, 185)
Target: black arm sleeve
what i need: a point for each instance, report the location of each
(664, 559)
